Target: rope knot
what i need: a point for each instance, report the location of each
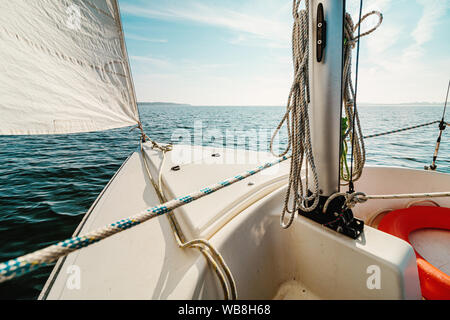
(351, 199)
(141, 128)
(163, 148)
(354, 198)
(350, 28)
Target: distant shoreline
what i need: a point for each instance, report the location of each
(410, 104)
(164, 103)
(362, 104)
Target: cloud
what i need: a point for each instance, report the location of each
(161, 63)
(433, 11)
(275, 31)
(383, 39)
(213, 89)
(379, 5)
(132, 36)
(396, 66)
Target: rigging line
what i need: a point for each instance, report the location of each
(402, 129)
(352, 199)
(445, 106)
(48, 255)
(351, 186)
(406, 195)
(211, 254)
(442, 126)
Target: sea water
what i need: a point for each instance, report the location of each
(47, 183)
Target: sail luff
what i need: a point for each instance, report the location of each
(125, 54)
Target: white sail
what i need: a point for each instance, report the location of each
(63, 67)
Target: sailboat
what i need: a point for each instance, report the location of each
(220, 237)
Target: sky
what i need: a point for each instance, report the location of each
(238, 52)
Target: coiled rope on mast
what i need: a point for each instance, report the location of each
(354, 131)
(300, 194)
(297, 124)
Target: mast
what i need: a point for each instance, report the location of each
(326, 57)
(326, 30)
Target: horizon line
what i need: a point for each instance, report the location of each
(283, 105)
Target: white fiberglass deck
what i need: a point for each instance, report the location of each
(242, 222)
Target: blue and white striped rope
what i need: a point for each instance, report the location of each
(32, 261)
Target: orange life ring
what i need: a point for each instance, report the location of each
(434, 283)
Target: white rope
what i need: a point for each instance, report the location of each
(351, 199)
(297, 124)
(405, 196)
(212, 256)
(29, 262)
